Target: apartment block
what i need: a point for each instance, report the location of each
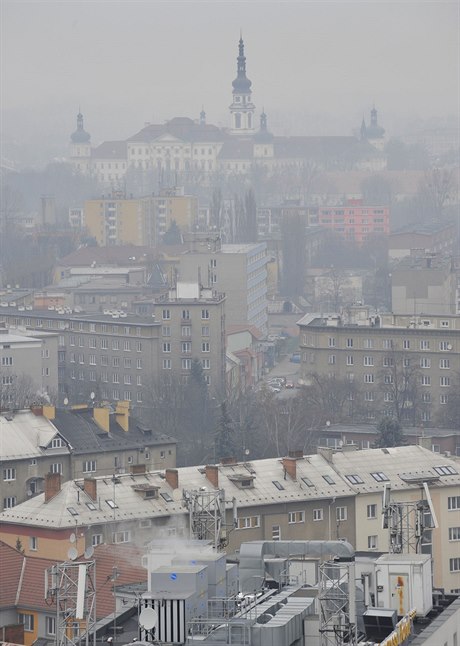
(331, 495)
(120, 221)
(355, 221)
(239, 271)
(392, 362)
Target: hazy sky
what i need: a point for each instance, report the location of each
(315, 66)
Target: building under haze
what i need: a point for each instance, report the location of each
(185, 149)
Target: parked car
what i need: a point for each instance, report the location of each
(289, 384)
(295, 357)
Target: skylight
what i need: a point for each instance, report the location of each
(278, 485)
(166, 497)
(379, 476)
(72, 511)
(445, 470)
(354, 479)
(308, 482)
(112, 504)
(329, 480)
(91, 506)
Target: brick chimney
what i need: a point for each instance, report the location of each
(49, 412)
(122, 415)
(325, 452)
(52, 485)
(172, 478)
(290, 467)
(37, 410)
(137, 469)
(90, 487)
(212, 474)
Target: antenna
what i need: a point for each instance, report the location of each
(434, 520)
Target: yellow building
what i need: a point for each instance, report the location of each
(116, 221)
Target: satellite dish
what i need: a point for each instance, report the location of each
(148, 618)
(176, 495)
(66, 401)
(246, 451)
(72, 554)
(72, 538)
(92, 395)
(89, 552)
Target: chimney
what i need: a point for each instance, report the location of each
(90, 487)
(137, 469)
(102, 418)
(52, 485)
(325, 452)
(290, 467)
(49, 412)
(212, 474)
(228, 460)
(172, 478)
(122, 415)
(37, 410)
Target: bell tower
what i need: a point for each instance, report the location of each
(242, 109)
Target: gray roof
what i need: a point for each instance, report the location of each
(132, 505)
(110, 150)
(85, 436)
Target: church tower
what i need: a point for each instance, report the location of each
(242, 109)
(80, 148)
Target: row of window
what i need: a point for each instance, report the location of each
(117, 362)
(387, 344)
(186, 346)
(294, 517)
(116, 344)
(185, 314)
(424, 380)
(186, 330)
(388, 362)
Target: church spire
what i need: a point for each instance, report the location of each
(241, 83)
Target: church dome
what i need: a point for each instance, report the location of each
(241, 84)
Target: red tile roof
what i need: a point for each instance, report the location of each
(22, 580)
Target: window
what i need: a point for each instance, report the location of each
(388, 397)
(33, 543)
(426, 397)
(7, 361)
(308, 482)
(445, 470)
(329, 480)
(454, 533)
(121, 537)
(166, 315)
(278, 485)
(368, 361)
(341, 514)
(138, 346)
(92, 359)
(372, 542)
(368, 396)
(379, 476)
(331, 342)
(96, 539)
(111, 504)
(186, 347)
(349, 360)
(248, 522)
(354, 479)
(104, 344)
(317, 514)
(444, 346)
(9, 502)
(9, 474)
(296, 517)
(425, 380)
(166, 364)
(369, 378)
(205, 346)
(126, 363)
(276, 533)
(204, 314)
(115, 344)
(453, 503)
(89, 466)
(56, 467)
(444, 381)
(425, 362)
(186, 330)
(424, 345)
(331, 359)
(388, 362)
(206, 364)
(50, 624)
(27, 620)
(205, 330)
(349, 343)
(368, 343)
(406, 344)
(127, 345)
(186, 364)
(387, 344)
(454, 564)
(372, 511)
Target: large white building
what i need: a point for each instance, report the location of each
(187, 149)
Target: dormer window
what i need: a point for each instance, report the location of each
(147, 491)
(56, 443)
(242, 480)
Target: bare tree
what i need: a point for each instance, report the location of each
(436, 190)
(399, 383)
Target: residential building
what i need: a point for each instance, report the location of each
(28, 366)
(424, 283)
(327, 496)
(433, 238)
(193, 323)
(23, 600)
(398, 365)
(85, 441)
(173, 205)
(119, 221)
(244, 342)
(355, 221)
(239, 271)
